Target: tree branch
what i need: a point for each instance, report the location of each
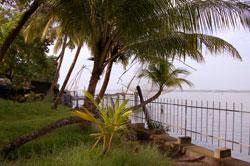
(15, 31)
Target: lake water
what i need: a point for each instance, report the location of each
(218, 96)
(210, 128)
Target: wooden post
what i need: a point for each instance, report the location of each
(185, 118)
(135, 114)
(144, 109)
(76, 97)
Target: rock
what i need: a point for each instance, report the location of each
(184, 140)
(136, 125)
(161, 138)
(222, 153)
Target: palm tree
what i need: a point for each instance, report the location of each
(107, 25)
(123, 59)
(163, 75)
(60, 59)
(55, 103)
(43, 26)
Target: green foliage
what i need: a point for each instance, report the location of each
(144, 29)
(121, 155)
(25, 61)
(164, 74)
(112, 120)
(66, 146)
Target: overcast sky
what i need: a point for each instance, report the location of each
(218, 72)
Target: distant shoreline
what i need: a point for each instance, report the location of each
(196, 91)
(218, 91)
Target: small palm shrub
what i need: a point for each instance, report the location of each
(112, 119)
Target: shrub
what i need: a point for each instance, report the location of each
(112, 119)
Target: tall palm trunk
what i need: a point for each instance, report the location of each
(95, 76)
(15, 31)
(56, 76)
(148, 100)
(105, 82)
(67, 77)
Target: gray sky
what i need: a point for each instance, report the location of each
(219, 72)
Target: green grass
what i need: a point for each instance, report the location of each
(121, 155)
(69, 145)
(20, 118)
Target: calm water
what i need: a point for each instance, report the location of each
(232, 126)
(221, 124)
(218, 96)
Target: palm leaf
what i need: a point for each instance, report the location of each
(91, 98)
(85, 115)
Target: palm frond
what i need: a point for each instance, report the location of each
(164, 74)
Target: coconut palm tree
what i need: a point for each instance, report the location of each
(60, 59)
(107, 23)
(55, 103)
(157, 24)
(43, 26)
(127, 25)
(163, 75)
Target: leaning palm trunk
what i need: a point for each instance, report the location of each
(144, 109)
(56, 77)
(95, 76)
(14, 32)
(136, 107)
(67, 77)
(105, 83)
(16, 143)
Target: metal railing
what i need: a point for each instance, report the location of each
(215, 124)
(212, 124)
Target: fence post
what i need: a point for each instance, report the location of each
(136, 98)
(77, 103)
(249, 142)
(136, 114)
(241, 124)
(226, 127)
(185, 118)
(162, 111)
(73, 98)
(233, 127)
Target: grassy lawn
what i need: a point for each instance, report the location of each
(69, 145)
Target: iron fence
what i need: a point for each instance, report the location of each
(212, 124)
